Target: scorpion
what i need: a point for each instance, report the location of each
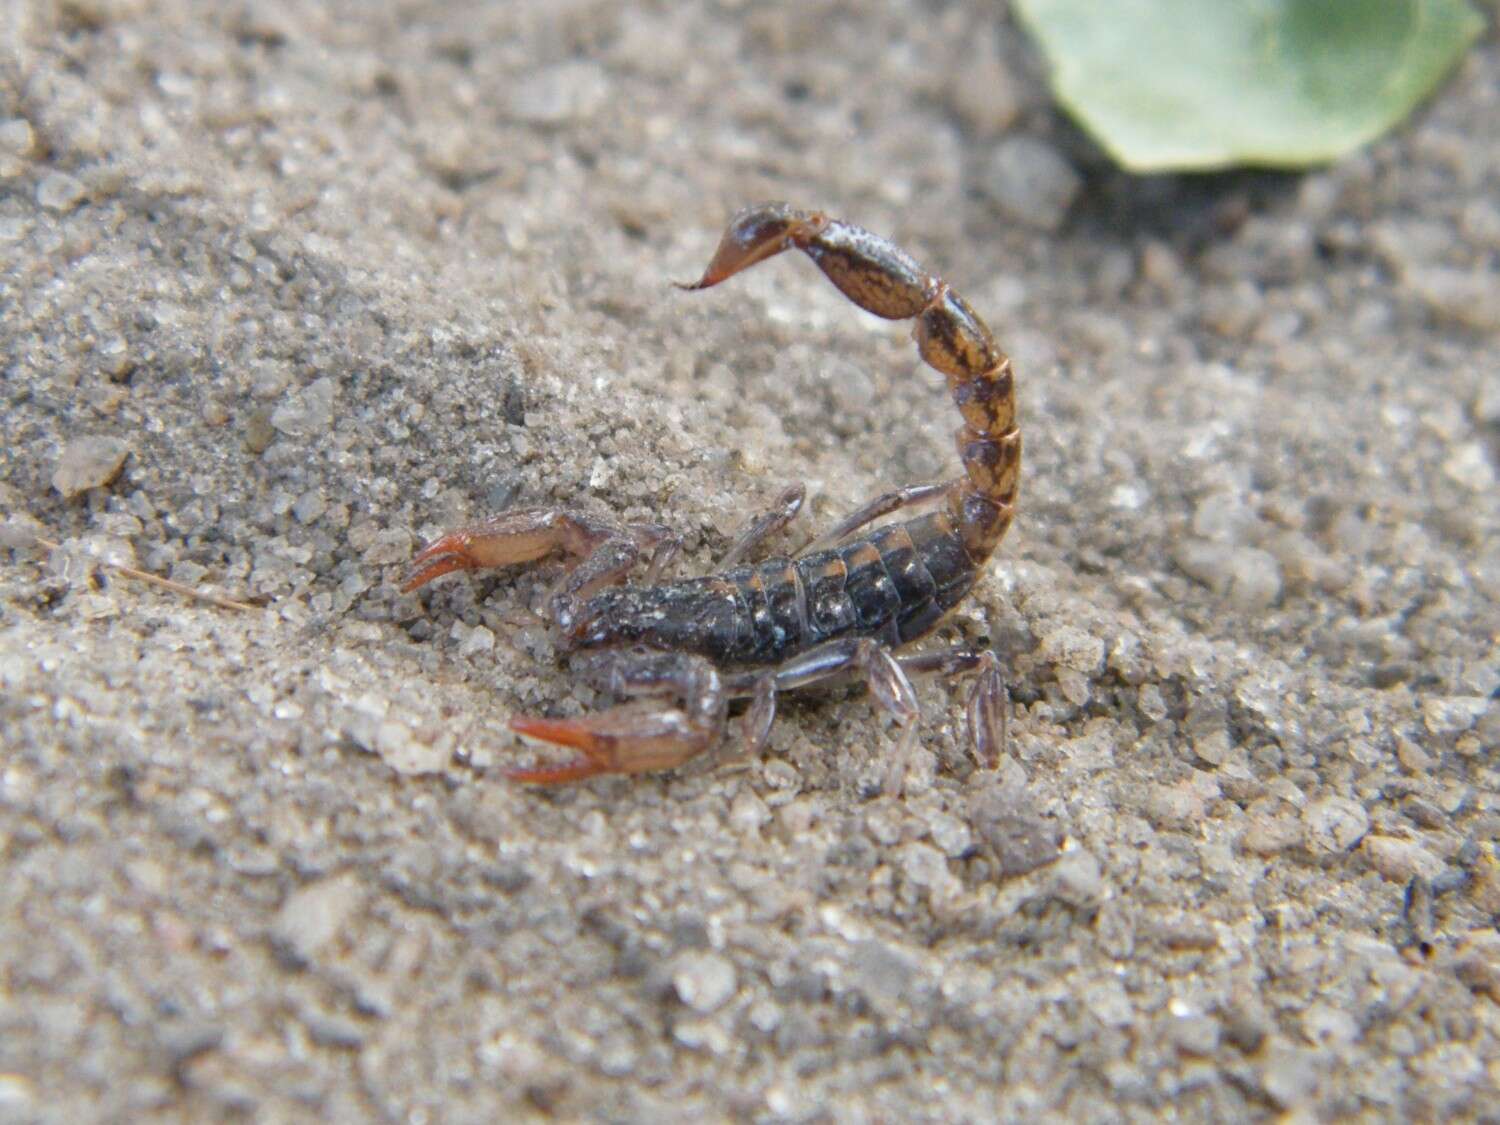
(678, 652)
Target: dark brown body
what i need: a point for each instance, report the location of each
(785, 622)
(893, 586)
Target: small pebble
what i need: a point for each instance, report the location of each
(333, 1031)
(314, 915)
(59, 192)
(309, 506)
(570, 92)
(258, 432)
(476, 640)
(765, 1016)
(1476, 962)
(1107, 1000)
(1400, 860)
(1078, 880)
(89, 462)
(1212, 747)
(1073, 648)
(1195, 1035)
(1412, 757)
(883, 822)
(1187, 933)
(1246, 1025)
(1151, 704)
(1031, 182)
(17, 1093)
(701, 1035)
(1408, 244)
(704, 981)
(16, 137)
(391, 545)
(883, 974)
(1290, 1075)
(1470, 466)
(748, 814)
(1484, 880)
(1480, 223)
(1161, 266)
(1329, 1026)
(924, 865)
(1254, 579)
(1333, 825)
(1175, 806)
(951, 835)
(982, 90)
(1008, 822)
(1224, 517)
(18, 532)
(189, 1039)
(407, 754)
(1447, 715)
(1248, 577)
(307, 412)
(1268, 833)
(1466, 298)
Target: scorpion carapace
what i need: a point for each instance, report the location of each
(681, 650)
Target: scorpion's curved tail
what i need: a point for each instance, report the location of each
(883, 279)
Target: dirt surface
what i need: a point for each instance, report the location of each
(287, 288)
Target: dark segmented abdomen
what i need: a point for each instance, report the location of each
(703, 615)
(940, 571)
(895, 586)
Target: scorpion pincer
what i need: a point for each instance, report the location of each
(680, 651)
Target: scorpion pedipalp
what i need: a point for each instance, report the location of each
(628, 739)
(603, 553)
(518, 536)
(681, 715)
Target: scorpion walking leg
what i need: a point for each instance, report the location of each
(661, 557)
(606, 552)
(785, 509)
(635, 737)
(848, 655)
(882, 505)
(986, 710)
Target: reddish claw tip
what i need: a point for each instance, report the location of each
(424, 572)
(579, 769)
(559, 732)
(441, 556)
(620, 740)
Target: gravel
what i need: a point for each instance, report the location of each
(89, 462)
(59, 192)
(285, 293)
(1031, 182)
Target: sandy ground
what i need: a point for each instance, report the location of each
(287, 288)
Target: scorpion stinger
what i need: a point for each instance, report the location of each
(681, 650)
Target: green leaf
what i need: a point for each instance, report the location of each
(1201, 84)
